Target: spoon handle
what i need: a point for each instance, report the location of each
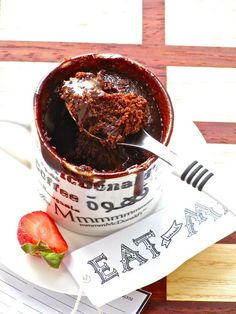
(192, 172)
(199, 177)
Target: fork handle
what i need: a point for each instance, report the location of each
(199, 177)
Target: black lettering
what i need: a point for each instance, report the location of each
(92, 205)
(69, 214)
(102, 269)
(145, 240)
(64, 193)
(126, 184)
(74, 198)
(128, 255)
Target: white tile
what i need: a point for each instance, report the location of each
(98, 21)
(208, 94)
(18, 81)
(201, 22)
(223, 155)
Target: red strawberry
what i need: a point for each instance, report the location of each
(38, 235)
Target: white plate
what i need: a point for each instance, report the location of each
(18, 196)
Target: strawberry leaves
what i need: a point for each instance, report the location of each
(41, 249)
(39, 236)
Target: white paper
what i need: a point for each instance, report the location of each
(152, 248)
(17, 295)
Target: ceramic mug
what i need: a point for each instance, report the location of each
(85, 200)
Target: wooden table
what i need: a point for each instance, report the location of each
(185, 66)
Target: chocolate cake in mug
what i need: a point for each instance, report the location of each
(95, 186)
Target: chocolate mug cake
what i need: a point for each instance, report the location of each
(83, 108)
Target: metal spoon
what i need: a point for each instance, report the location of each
(190, 171)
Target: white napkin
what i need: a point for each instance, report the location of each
(152, 248)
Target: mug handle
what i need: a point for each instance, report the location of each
(13, 153)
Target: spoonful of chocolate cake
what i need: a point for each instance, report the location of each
(102, 109)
